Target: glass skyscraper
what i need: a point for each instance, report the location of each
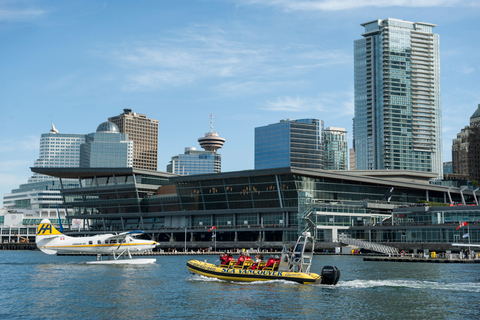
(106, 148)
(397, 122)
(290, 143)
(335, 149)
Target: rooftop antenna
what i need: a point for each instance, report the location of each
(211, 141)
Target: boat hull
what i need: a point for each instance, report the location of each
(237, 274)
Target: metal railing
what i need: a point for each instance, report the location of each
(368, 245)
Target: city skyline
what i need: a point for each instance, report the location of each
(249, 63)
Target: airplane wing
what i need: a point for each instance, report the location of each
(465, 245)
(123, 235)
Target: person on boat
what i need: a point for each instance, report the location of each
(229, 258)
(277, 259)
(257, 261)
(270, 263)
(247, 256)
(241, 259)
(223, 258)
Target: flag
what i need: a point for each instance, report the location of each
(462, 224)
(388, 194)
(465, 235)
(214, 235)
(212, 228)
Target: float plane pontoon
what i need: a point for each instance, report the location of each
(293, 266)
(50, 241)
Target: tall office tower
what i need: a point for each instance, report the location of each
(106, 147)
(144, 134)
(290, 143)
(195, 161)
(466, 150)
(57, 150)
(397, 97)
(335, 148)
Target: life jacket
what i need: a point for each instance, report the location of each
(270, 262)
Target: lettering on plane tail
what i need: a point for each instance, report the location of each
(46, 229)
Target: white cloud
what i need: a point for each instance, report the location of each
(338, 104)
(25, 143)
(16, 11)
(20, 15)
(337, 5)
(203, 53)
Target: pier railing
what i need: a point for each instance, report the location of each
(343, 238)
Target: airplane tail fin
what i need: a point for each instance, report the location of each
(46, 232)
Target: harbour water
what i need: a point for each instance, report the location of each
(34, 285)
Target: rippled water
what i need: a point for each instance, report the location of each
(38, 286)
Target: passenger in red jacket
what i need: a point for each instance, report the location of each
(241, 259)
(223, 258)
(270, 262)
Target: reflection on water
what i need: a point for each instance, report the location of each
(37, 286)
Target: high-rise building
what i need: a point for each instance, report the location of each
(290, 143)
(195, 161)
(397, 97)
(466, 150)
(144, 134)
(106, 147)
(335, 148)
(57, 150)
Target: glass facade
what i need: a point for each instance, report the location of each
(106, 149)
(425, 225)
(290, 143)
(195, 162)
(335, 149)
(397, 97)
(270, 204)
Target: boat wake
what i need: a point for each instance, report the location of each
(200, 278)
(414, 284)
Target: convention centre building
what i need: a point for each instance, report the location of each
(267, 207)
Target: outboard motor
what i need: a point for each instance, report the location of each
(330, 275)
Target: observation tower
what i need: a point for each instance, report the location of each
(211, 141)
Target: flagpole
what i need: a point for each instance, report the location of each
(215, 233)
(468, 231)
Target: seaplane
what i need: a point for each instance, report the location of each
(119, 246)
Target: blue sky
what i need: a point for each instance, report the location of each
(248, 62)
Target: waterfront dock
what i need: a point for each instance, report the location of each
(420, 260)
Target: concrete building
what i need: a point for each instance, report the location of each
(397, 123)
(290, 143)
(335, 149)
(466, 151)
(144, 134)
(57, 150)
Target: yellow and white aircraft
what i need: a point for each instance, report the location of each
(50, 241)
